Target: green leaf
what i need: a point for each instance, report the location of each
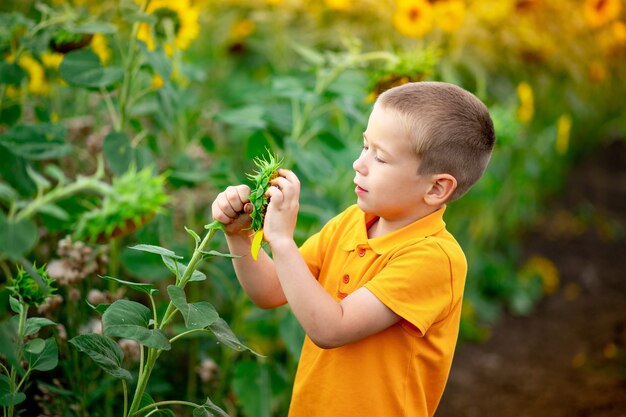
(54, 211)
(225, 335)
(8, 398)
(93, 27)
(11, 74)
(34, 346)
(209, 409)
(220, 254)
(251, 373)
(33, 325)
(82, 68)
(45, 360)
(36, 141)
(118, 152)
(192, 233)
(248, 117)
(15, 304)
(9, 344)
(40, 181)
(156, 249)
(138, 286)
(197, 315)
(100, 308)
(131, 320)
(104, 351)
(17, 238)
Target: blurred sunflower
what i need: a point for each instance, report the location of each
(600, 12)
(492, 11)
(183, 18)
(413, 18)
(544, 268)
(100, 46)
(619, 32)
(37, 83)
(342, 5)
(51, 59)
(449, 15)
(563, 129)
(526, 108)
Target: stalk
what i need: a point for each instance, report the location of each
(153, 354)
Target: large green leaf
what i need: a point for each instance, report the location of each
(131, 320)
(209, 409)
(118, 152)
(42, 358)
(36, 141)
(197, 315)
(82, 68)
(104, 351)
(225, 335)
(33, 325)
(16, 238)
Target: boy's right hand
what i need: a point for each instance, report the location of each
(232, 208)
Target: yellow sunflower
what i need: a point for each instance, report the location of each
(413, 18)
(342, 5)
(100, 46)
(180, 15)
(449, 15)
(37, 83)
(600, 12)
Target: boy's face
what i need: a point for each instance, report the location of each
(387, 182)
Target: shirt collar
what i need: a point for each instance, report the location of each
(419, 229)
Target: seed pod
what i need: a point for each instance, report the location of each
(267, 170)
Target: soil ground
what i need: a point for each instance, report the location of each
(568, 357)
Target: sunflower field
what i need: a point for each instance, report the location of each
(120, 121)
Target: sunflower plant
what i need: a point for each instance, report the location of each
(20, 347)
(153, 328)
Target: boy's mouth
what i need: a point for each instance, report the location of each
(359, 190)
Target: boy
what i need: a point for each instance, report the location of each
(378, 290)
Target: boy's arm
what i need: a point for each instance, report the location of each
(328, 323)
(258, 278)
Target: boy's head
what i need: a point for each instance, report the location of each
(449, 128)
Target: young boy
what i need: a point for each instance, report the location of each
(378, 290)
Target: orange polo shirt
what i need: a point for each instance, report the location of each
(419, 273)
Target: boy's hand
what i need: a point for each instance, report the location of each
(232, 208)
(282, 211)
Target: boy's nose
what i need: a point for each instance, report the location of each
(358, 165)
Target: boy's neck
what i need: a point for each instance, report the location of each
(381, 226)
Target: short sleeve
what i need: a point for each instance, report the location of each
(416, 284)
(313, 250)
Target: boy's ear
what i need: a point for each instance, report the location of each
(441, 189)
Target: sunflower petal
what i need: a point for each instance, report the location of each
(256, 244)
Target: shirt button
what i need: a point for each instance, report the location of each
(361, 252)
(346, 279)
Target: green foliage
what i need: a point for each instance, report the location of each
(21, 352)
(134, 198)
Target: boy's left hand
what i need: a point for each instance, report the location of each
(282, 210)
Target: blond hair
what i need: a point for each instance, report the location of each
(450, 129)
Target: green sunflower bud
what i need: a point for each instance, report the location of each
(28, 290)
